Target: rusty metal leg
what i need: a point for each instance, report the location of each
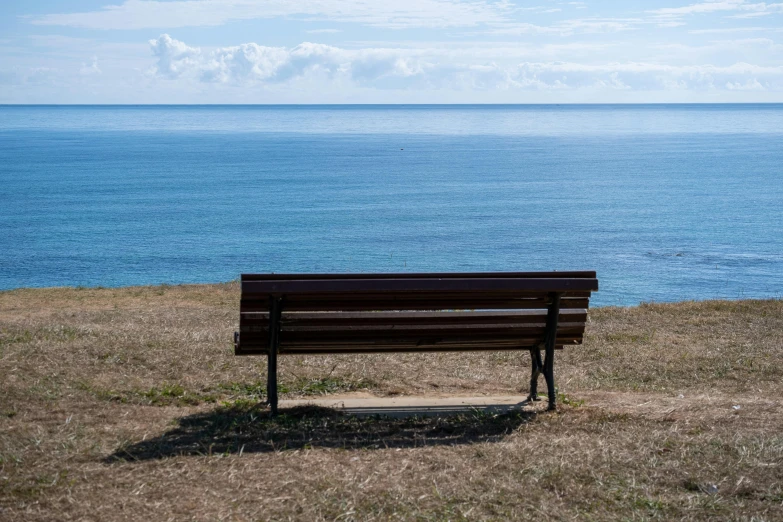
(535, 358)
(275, 310)
(551, 341)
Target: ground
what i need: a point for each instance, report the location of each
(128, 404)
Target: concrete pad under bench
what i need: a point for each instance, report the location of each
(419, 406)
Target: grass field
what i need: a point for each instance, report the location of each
(128, 404)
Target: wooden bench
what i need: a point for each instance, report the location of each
(374, 313)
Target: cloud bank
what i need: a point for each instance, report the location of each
(389, 68)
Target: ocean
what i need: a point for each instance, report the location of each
(665, 202)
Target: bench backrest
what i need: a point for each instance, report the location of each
(337, 313)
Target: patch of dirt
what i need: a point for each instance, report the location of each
(694, 407)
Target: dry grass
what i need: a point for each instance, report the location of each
(125, 404)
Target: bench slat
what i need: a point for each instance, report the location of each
(370, 297)
(589, 274)
(354, 329)
(352, 303)
(416, 334)
(397, 349)
(433, 318)
(386, 347)
(441, 344)
(507, 285)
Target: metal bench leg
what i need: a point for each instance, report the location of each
(275, 310)
(535, 358)
(551, 340)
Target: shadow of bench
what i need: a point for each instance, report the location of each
(245, 428)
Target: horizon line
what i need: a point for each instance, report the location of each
(372, 104)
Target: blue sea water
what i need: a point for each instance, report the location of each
(666, 202)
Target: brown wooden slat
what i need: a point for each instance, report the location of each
(349, 328)
(426, 316)
(401, 318)
(455, 344)
(405, 296)
(414, 285)
(443, 342)
(393, 350)
(324, 346)
(355, 329)
(442, 338)
(453, 340)
(409, 350)
(464, 303)
(413, 347)
(333, 301)
(447, 275)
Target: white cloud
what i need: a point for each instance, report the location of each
(598, 25)
(251, 62)
(146, 14)
(402, 68)
(242, 61)
(753, 14)
(91, 69)
(725, 30)
(750, 85)
(174, 57)
(718, 52)
(567, 27)
(702, 7)
(652, 77)
(755, 8)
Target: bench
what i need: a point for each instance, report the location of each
(379, 313)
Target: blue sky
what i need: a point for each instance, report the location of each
(402, 51)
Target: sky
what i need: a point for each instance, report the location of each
(392, 51)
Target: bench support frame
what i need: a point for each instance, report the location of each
(538, 366)
(275, 312)
(548, 365)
